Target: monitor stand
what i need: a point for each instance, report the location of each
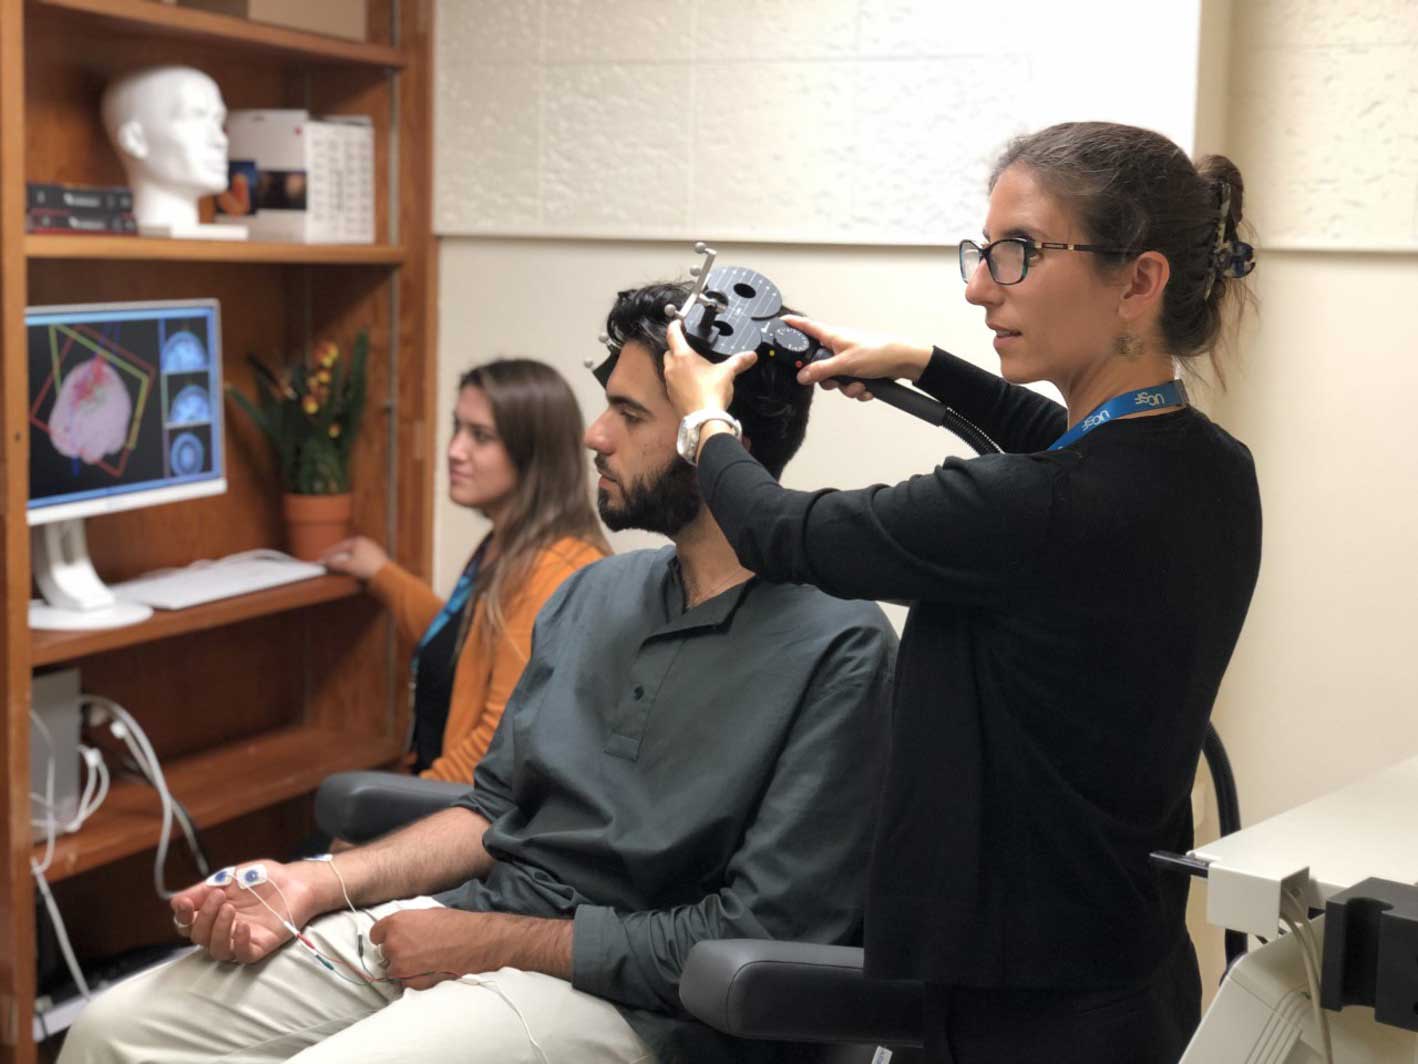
(75, 599)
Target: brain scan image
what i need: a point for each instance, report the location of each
(182, 352)
(186, 456)
(190, 407)
(92, 413)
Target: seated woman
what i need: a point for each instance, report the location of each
(516, 456)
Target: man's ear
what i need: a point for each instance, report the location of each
(1147, 280)
(131, 139)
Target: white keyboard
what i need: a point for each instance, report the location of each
(202, 582)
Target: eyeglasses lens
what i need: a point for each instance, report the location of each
(1007, 262)
(969, 259)
(1004, 257)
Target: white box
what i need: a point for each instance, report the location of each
(54, 698)
(301, 179)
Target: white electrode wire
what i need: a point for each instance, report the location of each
(50, 828)
(1309, 956)
(96, 786)
(184, 821)
(38, 868)
(60, 932)
(136, 740)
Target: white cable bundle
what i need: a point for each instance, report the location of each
(1299, 924)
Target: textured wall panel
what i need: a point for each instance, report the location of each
(860, 121)
(1324, 122)
(610, 161)
(489, 123)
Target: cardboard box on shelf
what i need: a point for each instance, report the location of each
(300, 179)
(338, 18)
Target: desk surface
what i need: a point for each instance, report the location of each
(1369, 828)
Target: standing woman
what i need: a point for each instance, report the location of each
(1074, 602)
(516, 456)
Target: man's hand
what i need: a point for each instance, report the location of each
(858, 354)
(230, 922)
(424, 947)
(695, 383)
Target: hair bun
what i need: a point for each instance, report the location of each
(1214, 169)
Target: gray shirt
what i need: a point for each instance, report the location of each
(664, 776)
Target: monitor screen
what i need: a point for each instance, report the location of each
(125, 406)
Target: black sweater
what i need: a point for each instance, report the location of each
(1072, 615)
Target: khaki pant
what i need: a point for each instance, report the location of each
(288, 1007)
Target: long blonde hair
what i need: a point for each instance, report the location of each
(537, 418)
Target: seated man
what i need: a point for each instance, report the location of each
(691, 753)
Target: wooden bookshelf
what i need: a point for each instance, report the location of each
(49, 648)
(215, 786)
(140, 248)
(146, 18)
(249, 702)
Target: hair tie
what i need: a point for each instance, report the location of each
(1229, 258)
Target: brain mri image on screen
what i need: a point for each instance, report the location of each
(186, 456)
(183, 353)
(92, 413)
(191, 406)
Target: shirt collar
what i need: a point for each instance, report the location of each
(715, 613)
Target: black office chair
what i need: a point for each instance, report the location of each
(813, 996)
(804, 993)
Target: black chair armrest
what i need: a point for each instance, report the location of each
(797, 992)
(359, 806)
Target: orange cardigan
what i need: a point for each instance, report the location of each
(482, 681)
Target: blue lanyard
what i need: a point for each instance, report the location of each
(454, 606)
(1164, 396)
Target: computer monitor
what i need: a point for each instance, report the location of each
(125, 411)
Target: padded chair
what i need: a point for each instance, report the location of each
(815, 997)
(793, 991)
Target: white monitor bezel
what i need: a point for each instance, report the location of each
(156, 496)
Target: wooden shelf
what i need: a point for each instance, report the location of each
(216, 785)
(164, 20)
(47, 647)
(64, 246)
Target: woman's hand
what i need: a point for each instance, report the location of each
(695, 383)
(359, 557)
(230, 922)
(858, 354)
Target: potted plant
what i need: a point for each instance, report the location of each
(311, 417)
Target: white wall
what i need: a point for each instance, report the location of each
(868, 121)
(839, 146)
(1323, 126)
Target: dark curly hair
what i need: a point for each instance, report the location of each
(770, 404)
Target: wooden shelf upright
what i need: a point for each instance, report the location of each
(249, 702)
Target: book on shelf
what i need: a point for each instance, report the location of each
(55, 195)
(41, 220)
(299, 178)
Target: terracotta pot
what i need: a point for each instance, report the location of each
(315, 523)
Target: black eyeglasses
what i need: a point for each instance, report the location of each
(1008, 258)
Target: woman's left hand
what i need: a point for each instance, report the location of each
(695, 383)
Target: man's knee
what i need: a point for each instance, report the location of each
(110, 1019)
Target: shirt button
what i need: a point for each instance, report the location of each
(638, 693)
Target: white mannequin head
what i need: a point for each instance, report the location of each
(166, 124)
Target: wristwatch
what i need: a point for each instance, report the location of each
(687, 443)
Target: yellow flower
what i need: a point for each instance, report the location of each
(323, 376)
(327, 353)
(335, 430)
(311, 405)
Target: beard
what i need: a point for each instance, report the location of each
(662, 502)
